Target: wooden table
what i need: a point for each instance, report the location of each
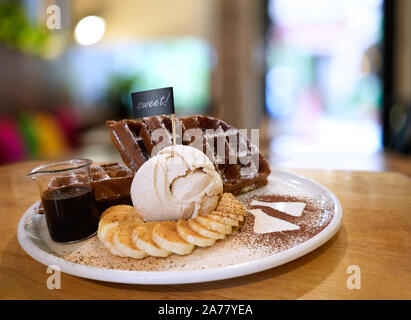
(375, 236)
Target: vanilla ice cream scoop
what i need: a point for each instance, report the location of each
(178, 183)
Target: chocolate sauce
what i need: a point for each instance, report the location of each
(71, 212)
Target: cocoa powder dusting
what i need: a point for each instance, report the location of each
(315, 217)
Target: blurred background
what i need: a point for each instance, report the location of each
(327, 82)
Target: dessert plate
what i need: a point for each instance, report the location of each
(245, 252)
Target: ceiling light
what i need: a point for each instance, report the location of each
(89, 30)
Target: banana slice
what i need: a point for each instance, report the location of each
(213, 225)
(124, 233)
(106, 223)
(237, 217)
(189, 235)
(109, 243)
(201, 230)
(232, 210)
(123, 242)
(230, 204)
(166, 236)
(114, 216)
(103, 228)
(223, 219)
(121, 209)
(142, 237)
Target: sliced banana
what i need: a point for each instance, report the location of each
(232, 210)
(229, 203)
(108, 241)
(124, 233)
(189, 235)
(223, 219)
(124, 243)
(240, 218)
(165, 235)
(121, 210)
(106, 223)
(142, 237)
(213, 225)
(103, 228)
(200, 229)
(115, 215)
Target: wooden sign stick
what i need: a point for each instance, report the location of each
(173, 120)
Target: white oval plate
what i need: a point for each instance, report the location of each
(288, 182)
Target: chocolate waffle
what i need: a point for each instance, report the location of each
(111, 184)
(241, 166)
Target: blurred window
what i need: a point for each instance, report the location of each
(183, 63)
(323, 79)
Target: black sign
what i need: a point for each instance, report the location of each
(153, 102)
